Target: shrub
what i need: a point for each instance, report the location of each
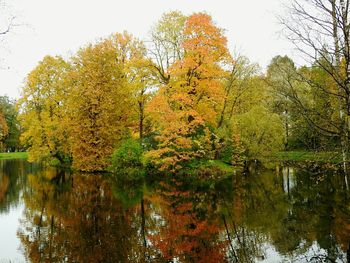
(127, 155)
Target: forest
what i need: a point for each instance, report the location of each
(183, 100)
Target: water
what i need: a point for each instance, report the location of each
(281, 215)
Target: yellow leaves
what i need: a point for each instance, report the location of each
(104, 109)
(42, 112)
(80, 109)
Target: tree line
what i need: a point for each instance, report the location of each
(183, 97)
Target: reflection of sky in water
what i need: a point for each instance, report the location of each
(313, 254)
(9, 243)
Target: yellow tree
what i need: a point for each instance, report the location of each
(101, 100)
(43, 112)
(187, 106)
(140, 78)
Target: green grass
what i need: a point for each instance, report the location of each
(224, 167)
(16, 155)
(300, 156)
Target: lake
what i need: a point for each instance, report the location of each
(282, 214)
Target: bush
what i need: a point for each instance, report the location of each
(127, 155)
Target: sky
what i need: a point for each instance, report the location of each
(62, 27)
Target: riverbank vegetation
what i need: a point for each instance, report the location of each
(182, 98)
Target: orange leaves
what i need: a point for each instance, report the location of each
(204, 40)
(189, 103)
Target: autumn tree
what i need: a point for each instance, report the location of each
(187, 106)
(141, 80)
(240, 93)
(99, 102)
(43, 111)
(310, 117)
(262, 132)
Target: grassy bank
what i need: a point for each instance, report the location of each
(300, 156)
(200, 168)
(16, 155)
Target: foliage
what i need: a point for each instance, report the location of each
(261, 132)
(78, 110)
(3, 127)
(185, 108)
(43, 111)
(183, 95)
(127, 155)
(8, 107)
(97, 119)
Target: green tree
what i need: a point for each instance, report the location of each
(8, 107)
(262, 132)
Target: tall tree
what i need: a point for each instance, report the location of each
(3, 128)
(187, 106)
(320, 31)
(99, 103)
(43, 107)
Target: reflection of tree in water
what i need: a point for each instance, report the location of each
(301, 221)
(303, 216)
(12, 181)
(77, 220)
(4, 185)
(185, 225)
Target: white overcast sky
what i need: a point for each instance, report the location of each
(60, 27)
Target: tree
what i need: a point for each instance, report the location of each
(99, 102)
(185, 108)
(166, 47)
(320, 30)
(237, 84)
(261, 132)
(3, 127)
(8, 107)
(141, 79)
(43, 111)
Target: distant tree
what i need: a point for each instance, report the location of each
(261, 132)
(3, 128)
(8, 108)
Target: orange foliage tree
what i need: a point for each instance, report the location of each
(185, 110)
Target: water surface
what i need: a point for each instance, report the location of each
(287, 214)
